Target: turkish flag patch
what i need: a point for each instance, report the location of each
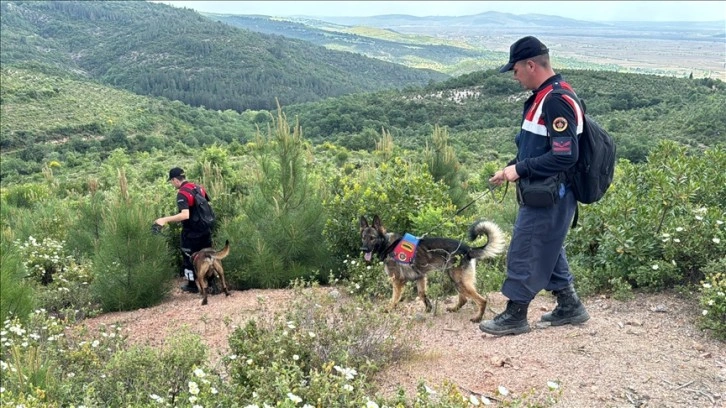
(562, 146)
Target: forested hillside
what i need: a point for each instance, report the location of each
(418, 51)
(63, 119)
(482, 110)
(154, 49)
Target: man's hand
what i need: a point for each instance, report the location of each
(498, 178)
(156, 228)
(508, 174)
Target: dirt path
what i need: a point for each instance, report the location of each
(646, 352)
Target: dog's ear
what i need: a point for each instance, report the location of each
(377, 223)
(363, 222)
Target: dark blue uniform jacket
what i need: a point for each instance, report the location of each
(547, 141)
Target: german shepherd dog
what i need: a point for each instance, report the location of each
(433, 254)
(207, 264)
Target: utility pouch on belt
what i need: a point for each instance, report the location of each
(539, 193)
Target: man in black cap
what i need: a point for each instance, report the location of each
(193, 238)
(547, 150)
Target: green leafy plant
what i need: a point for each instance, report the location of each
(713, 298)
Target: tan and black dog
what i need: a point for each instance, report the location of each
(433, 254)
(208, 263)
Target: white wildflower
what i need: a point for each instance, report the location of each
(679, 229)
(704, 312)
(348, 373)
(655, 267)
(295, 357)
(474, 400)
(193, 388)
(552, 385)
(199, 373)
(716, 240)
(371, 404)
(348, 387)
(503, 390)
(294, 398)
(429, 390)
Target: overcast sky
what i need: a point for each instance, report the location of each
(580, 10)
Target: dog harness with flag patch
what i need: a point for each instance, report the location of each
(405, 251)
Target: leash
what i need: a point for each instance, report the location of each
(490, 189)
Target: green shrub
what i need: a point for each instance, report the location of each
(713, 298)
(62, 285)
(27, 195)
(321, 352)
(658, 226)
(132, 268)
(397, 191)
(282, 228)
(16, 296)
(131, 375)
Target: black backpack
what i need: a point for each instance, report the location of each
(595, 165)
(201, 216)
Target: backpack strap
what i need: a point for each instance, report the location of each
(187, 190)
(558, 89)
(577, 215)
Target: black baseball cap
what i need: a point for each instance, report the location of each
(524, 48)
(175, 172)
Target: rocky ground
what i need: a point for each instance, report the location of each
(646, 352)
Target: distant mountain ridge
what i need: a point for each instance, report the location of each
(159, 50)
(488, 19)
(492, 19)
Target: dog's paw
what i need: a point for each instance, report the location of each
(475, 319)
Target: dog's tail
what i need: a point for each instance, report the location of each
(223, 252)
(495, 239)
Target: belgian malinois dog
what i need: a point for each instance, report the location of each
(433, 254)
(208, 263)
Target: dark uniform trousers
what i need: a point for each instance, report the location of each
(192, 242)
(536, 258)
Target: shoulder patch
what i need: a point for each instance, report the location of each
(561, 146)
(559, 124)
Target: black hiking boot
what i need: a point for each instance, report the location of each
(190, 287)
(513, 320)
(569, 309)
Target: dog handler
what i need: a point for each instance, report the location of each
(192, 240)
(546, 151)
